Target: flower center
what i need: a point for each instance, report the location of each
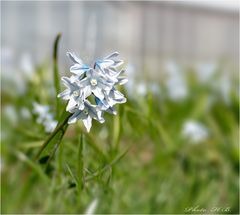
(76, 93)
(93, 82)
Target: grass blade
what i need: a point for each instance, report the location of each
(72, 175)
(106, 167)
(61, 127)
(56, 73)
(116, 131)
(80, 164)
(33, 166)
(58, 139)
(92, 142)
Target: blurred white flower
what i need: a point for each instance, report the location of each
(176, 84)
(141, 88)
(7, 56)
(42, 112)
(177, 89)
(195, 131)
(44, 117)
(15, 71)
(50, 125)
(98, 82)
(205, 71)
(225, 87)
(26, 65)
(154, 88)
(11, 113)
(25, 113)
(92, 207)
(171, 67)
(12, 80)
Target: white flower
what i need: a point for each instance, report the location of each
(195, 131)
(114, 97)
(109, 66)
(86, 115)
(44, 117)
(78, 68)
(74, 93)
(98, 82)
(103, 105)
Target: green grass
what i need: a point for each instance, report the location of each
(136, 162)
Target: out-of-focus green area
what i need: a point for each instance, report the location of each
(169, 165)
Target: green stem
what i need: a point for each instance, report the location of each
(60, 155)
(57, 144)
(52, 135)
(116, 132)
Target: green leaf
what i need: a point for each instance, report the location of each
(51, 144)
(32, 144)
(36, 168)
(109, 165)
(80, 164)
(28, 134)
(93, 144)
(56, 73)
(44, 159)
(72, 175)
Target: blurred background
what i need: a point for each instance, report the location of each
(145, 33)
(181, 118)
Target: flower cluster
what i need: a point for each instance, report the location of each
(92, 91)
